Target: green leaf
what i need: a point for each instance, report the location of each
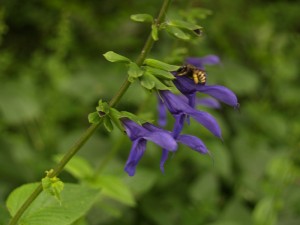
(76, 200)
(178, 33)
(114, 57)
(147, 81)
(115, 188)
(107, 124)
(183, 24)
(154, 32)
(265, 211)
(163, 74)
(160, 65)
(79, 167)
(142, 18)
(134, 71)
(94, 117)
(157, 83)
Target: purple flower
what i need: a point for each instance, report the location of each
(208, 102)
(180, 109)
(188, 140)
(205, 101)
(188, 88)
(139, 135)
(201, 61)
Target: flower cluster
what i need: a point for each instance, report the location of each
(182, 107)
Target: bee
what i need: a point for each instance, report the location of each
(198, 75)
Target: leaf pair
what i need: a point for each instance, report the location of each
(154, 74)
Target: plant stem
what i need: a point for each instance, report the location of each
(90, 131)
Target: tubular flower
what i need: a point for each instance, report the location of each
(188, 88)
(191, 141)
(180, 109)
(205, 101)
(139, 135)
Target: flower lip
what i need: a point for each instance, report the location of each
(180, 109)
(139, 135)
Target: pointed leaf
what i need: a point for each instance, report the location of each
(76, 200)
(163, 74)
(147, 82)
(184, 25)
(157, 83)
(94, 117)
(178, 33)
(115, 188)
(114, 57)
(134, 70)
(142, 18)
(107, 124)
(160, 65)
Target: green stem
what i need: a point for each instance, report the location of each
(90, 131)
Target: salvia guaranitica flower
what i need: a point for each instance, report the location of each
(188, 88)
(180, 109)
(204, 101)
(139, 135)
(191, 141)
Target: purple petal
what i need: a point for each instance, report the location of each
(200, 62)
(185, 85)
(162, 113)
(174, 103)
(133, 130)
(221, 93)
(193, 142)
(164, 139)
(208, 102)
(179, 121)
(137, 150)
(178, 108)
(163, 159)
(207, 120)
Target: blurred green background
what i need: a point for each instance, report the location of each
(52, 75)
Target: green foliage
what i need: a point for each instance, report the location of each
(115, 57)
(46, 210)
(142, 18)
(52, 76)
(160, 65)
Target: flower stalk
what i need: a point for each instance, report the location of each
(91, 130)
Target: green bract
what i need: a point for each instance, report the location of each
(183, 24)
(149, 81)
(114, 57)
(134, 71)
(178, 33)
(160, 65)
(142, 18)
(94, 117)
(159, 73)
(102, 107)
(154, 32)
